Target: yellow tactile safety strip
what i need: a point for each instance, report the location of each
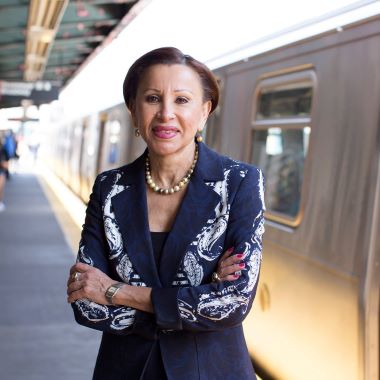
(68, 208)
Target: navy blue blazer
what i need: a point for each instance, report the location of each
(197, 323)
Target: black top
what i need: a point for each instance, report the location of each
(158, 242)
(155, 367)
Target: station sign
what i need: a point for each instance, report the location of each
(40, 92)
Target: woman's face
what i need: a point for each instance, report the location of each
(169, 108)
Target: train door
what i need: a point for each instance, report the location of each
(118, 146)
(67, 137)
(89, 155)
(279, 144)
(75, 156)
(110, 148)
(102, 123)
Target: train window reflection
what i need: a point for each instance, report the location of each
(284, 102)
(274, 144)
(280, 140)
(91, 150)
(114, 128)
(281, 156)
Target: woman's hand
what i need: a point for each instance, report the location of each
(230, 266)
(90, 283)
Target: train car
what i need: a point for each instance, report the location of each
(308, 114)
(77, 150)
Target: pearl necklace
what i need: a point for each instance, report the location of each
(181, 184)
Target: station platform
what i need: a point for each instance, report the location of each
(39, 338)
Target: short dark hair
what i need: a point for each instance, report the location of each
(169, 56)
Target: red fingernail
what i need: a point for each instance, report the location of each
(241, 265)
(236, 275)
(239, 255)
(229, 250)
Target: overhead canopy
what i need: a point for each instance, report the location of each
(48, 40)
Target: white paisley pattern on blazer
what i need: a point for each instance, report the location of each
(223, 208)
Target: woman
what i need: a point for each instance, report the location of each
(3, 173)
(170, 252)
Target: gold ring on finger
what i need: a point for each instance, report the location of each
(215, 277)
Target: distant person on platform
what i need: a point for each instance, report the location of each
(3, 173)
(170, 254)
(10, 147)
(34, 145)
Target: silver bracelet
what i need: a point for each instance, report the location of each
(112, 290)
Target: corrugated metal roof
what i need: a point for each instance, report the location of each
(56, 48)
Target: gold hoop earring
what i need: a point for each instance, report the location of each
(198, 136)
(137, 132)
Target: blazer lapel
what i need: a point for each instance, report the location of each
(131, 212)
(196, 208)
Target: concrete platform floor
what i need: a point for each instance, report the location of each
(39, 338)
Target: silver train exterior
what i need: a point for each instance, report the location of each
(308, 114)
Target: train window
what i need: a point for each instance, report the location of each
(281, 155)
(284, 102)
(280, 141)
(114, 137)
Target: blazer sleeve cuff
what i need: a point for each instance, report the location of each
(145, 325)
(165, 306)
